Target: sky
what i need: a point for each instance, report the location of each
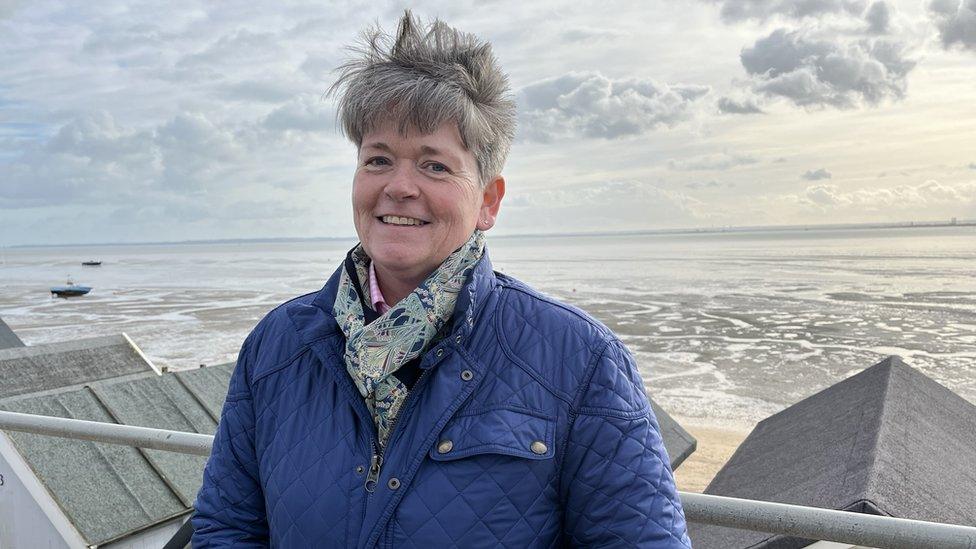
(181, 120)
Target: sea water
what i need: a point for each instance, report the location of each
(725, 325)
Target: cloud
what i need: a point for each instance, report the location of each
(589, 35)
(732, 106)
(811, 71)
(720, 161)
(592, 105)
(972, 166)
(263, 91)
(903, 199)
(956, 21)
(741, 10)
(8, 7)
(611, 205)
(309, 114)
(92, 159)
(816, 175)
(878, 17)
(711, 184)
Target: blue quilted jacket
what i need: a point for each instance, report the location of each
(529, 427)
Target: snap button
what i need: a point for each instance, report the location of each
(467, 375)
(457, 338)
(538, 447)
(445, 446)
(394, 483)
(360, 469)
(440, 353)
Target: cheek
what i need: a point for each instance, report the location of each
(360, 196)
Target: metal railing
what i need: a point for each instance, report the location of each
(778, 518)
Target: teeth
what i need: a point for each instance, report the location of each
(397, 220)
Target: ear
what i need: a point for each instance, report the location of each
(492, 196)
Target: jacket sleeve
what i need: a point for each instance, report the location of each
(617, 483)
(230, 505)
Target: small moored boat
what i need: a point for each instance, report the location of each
(70, 289)
(91, 263)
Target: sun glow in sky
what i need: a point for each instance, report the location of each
(132, 121)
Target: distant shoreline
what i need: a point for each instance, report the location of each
(645, 232)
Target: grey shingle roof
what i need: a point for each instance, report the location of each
(209, 385)
(7, 337)
(110, 491)
(678, 442)
(887, 441)
(106, 490)
(49, 366)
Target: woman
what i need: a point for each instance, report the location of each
(420, 398)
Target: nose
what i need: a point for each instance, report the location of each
(402, 184)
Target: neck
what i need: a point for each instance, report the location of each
(395, 288)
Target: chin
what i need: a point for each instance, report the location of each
(394, 257)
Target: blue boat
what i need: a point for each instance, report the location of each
(70, 289)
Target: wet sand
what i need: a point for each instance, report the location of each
(716, 444)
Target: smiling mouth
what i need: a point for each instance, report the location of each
(402, 221)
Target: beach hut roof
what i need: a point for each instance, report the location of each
(7, 337)
(678, 442)
(112, 491)
(53, 365)
(887, 441)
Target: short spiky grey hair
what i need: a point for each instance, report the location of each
(424, 77)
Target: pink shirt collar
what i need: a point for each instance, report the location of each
(375, 295)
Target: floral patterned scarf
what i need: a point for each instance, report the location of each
(376, 350)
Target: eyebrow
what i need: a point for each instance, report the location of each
(378, 145)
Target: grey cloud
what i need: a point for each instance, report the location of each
(956, 21)
(83, 162)
(592, 105)
(816, 175)
(589, 35)
(8, 7)
(609, 205)
(761, 10)
(264, 91)
(824, 195)
(878, 17)
(902, 197)
(711, 184)
(815, 72)
(241, 47)
(195, 152)
(722, 161)
(93, 160)
(972, 166)
(97, 137)
(319, 66)
(732, 106)
(304, 114)
(123, 41)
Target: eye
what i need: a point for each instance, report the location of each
(437, 167)
(377, 161)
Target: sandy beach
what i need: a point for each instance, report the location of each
(716, 443)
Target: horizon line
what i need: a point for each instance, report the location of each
(626, 232)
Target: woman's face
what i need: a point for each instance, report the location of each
(416, 199)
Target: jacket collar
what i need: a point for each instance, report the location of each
(315, 320)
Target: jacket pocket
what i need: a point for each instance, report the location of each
(505, 430)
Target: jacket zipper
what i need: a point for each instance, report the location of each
(374, 469)
(376, 461)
